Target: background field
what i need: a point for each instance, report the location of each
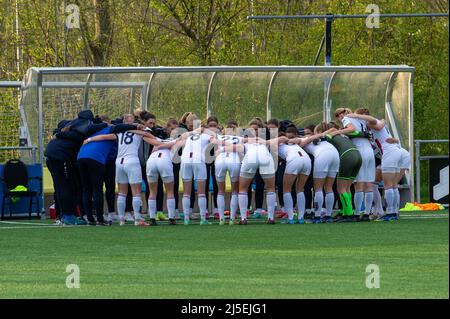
(257, 261)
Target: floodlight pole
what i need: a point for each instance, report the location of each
(328, 24)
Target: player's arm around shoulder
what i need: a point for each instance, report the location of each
(102, 137)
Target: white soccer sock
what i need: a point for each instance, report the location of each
(152, 208)
(359, 198)
(137, 203)
(301, 202)
(329, 202)
(171, 207)
(121, 204)
(221, 205)
(396, 200)
(243, 202)
(389, 195)
(186, 206)
(318, 203)
(377, 200)
(368, 200)
(288, 205)
(202, 206)
(271, 198)
(234, 204)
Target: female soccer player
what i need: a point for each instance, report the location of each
(212, 124)
(366, 174)
(326, 167)
(159, 164)
(92, 159)
(228, 160)
(298, 167)
(257, 156)
(350, 163)
(394, 162)
(193, 167)
(128, 169)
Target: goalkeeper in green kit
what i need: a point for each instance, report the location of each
(350, 163)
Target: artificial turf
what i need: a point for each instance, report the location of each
(253, 261)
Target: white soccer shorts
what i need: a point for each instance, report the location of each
(190, 170)
(128, 173)
(326, 165)
(159, 166)
(300, 165)
(366, 173)
(223, 166)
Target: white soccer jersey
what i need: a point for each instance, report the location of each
(228, 156)
(163, 152)
(194, 149)
(128, 147)
(323, 147)
(380, 139)
(289, 152)
(361, 143)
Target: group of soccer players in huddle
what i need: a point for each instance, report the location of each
(345, 158)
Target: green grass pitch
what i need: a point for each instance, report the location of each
(253, 261)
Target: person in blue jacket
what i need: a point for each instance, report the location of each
(92, 159)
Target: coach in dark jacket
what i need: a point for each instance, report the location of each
(61, 155)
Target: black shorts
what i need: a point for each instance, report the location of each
(350, 164)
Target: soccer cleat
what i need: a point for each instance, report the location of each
(316, 220)
(160, 216)
(301, 221)
(68, 219)
(338, 217)
(103, 223)
(80, 221)
(129, 217)
(291, 222)
(243, 222)
(364, 218)
(327, 219)
(172, 221)
(232, 222)
(386, 218)
(91, 223)
(256, 215)
(205, 222)
(186, 222)
(121, 222)
(141, 223)
(153, 222)
(222, 222)
(270, 222)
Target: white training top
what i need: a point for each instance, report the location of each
(195, 147)
(322, 148)
(361, 143)
(128, 147)
(380, 139)
(163, 152)
(290, 152)
(228, 139)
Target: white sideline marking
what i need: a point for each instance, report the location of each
(22, 223)
(30, 227)
(41, 225)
